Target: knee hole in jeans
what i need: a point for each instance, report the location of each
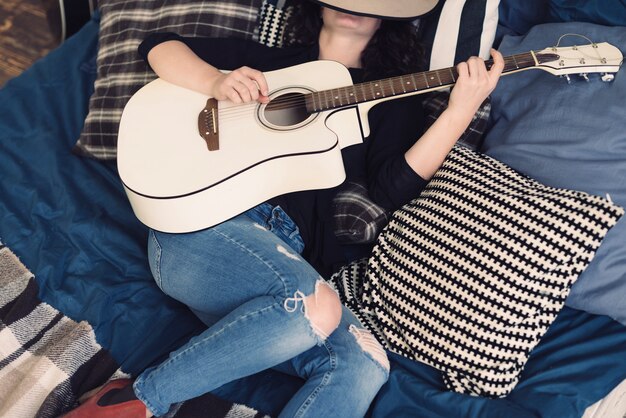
(322, 308)
(370, 345)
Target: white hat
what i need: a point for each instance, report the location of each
(384, 9)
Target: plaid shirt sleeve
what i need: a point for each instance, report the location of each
(472, 138)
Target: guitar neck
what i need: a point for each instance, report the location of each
(410, 84)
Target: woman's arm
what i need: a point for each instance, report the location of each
(473, 86)
(175, 62)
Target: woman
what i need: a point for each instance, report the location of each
(255, 280)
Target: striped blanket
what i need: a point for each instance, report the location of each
(47, 360)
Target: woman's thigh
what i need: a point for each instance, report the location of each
(219, 268)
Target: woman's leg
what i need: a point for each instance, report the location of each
(273, 306)
(343, 375)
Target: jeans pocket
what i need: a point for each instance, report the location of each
(154, 258)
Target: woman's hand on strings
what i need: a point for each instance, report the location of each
(475, 83)
(242, 85)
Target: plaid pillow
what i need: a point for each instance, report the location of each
(469, 276)
(121, 71)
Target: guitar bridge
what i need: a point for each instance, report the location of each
(208, 125)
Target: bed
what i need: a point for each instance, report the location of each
(78, 304)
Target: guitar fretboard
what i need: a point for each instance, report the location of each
(407, 84)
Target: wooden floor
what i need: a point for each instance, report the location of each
(25, 36)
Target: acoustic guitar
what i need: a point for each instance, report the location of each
(188, 162)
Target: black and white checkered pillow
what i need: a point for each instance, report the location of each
(272, 20)
(121, 71)
(469, 276)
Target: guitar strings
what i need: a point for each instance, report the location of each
(511, 63)
(301, 100)
(285, 103)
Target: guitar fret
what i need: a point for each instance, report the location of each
(372, 88)
(379, 90)
(402, 84)
(515, 61)
(393, 91)
(413, 82)
(426, 80)
(438, 78)
(430, 76)
(452, 74)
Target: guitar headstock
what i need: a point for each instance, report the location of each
(582, 59)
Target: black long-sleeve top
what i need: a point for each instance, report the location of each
(378, 162)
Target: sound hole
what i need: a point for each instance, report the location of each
(286, 110)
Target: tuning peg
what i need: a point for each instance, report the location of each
(566, 76)
(584, 75)
(607, 77)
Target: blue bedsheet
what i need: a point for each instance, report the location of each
(68, 220)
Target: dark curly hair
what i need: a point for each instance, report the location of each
(393, 50)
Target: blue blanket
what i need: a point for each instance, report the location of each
(69, 221)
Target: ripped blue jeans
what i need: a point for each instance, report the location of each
(246, 280)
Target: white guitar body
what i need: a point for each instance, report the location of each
(175, 184)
